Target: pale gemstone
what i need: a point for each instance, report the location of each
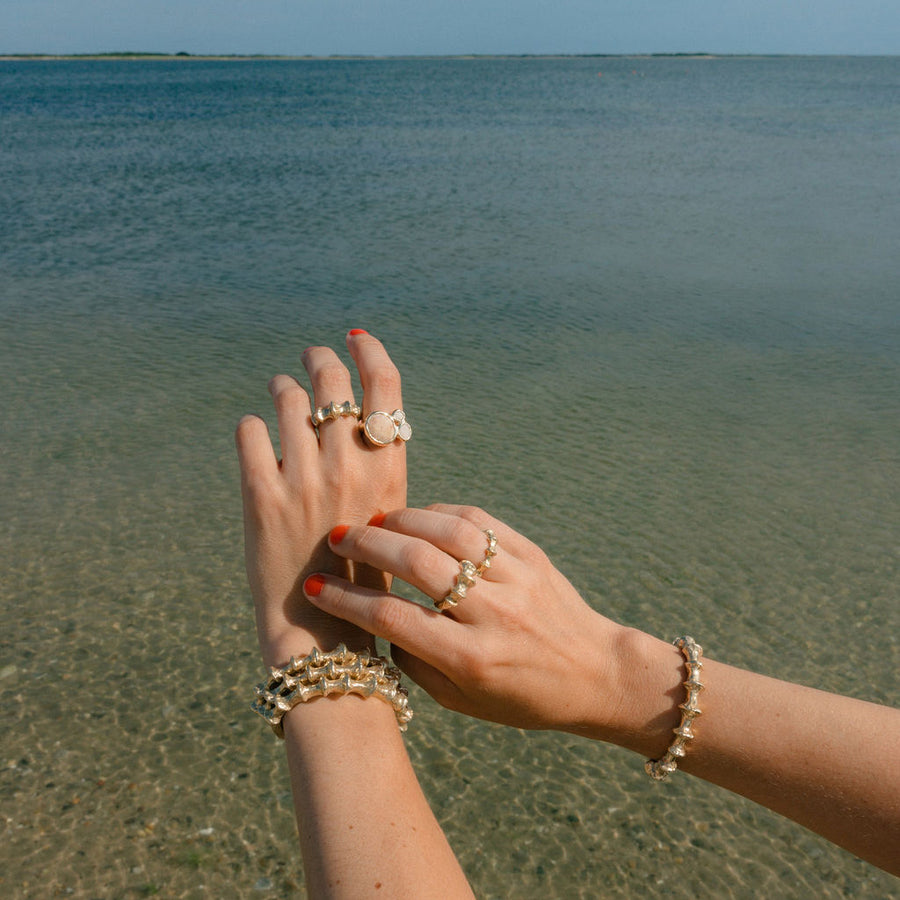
(381, 428)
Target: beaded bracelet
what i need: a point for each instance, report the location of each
(341, 671)
(660, 769)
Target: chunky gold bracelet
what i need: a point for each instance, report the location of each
(660, 769)
(341, 671)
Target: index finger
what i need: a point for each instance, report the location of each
(417, 630)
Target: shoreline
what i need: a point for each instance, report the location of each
(250, 57)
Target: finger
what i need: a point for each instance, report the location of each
(418, 630)
(259, 465)
(459, 538)
(413, 559)
(295, 429)
(378, 375)
(513, 543)
(331, 383)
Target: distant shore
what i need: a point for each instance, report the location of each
(245, 57)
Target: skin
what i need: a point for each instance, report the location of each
(365, 827)
(524, 649)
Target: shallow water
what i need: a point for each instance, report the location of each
(650, 318)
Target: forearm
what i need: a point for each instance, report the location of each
(366, 829)
(825, 761)
(525, 650)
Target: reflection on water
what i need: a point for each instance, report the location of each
(704, 441)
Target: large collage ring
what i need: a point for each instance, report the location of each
(381, 429)
(468, 572)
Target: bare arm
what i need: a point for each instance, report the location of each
(524, 649)
(826, 761)
(366, 829)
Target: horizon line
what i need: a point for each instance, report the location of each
(183, 55)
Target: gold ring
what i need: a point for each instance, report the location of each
(466, 578)
(335, 411)
(381, 429)
(489, 554)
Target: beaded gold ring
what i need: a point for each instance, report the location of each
(347, 409)
(489, 553)
(466, 578)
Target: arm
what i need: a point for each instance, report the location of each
(522, 648)
(365, 826)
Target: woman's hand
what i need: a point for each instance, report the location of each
(325, 476)
(522, 648)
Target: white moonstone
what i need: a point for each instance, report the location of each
(380, 428)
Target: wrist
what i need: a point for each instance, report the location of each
(644, 681)
(277, 649)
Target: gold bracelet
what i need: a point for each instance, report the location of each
(660, 769)
(319, 674)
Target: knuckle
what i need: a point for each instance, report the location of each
(384, 378)
(332, 372)
(475, 663)
(533, 556)
(255, 480)
(473, 514)
(461, 533)
(287, 392)
(390, 617)
(421, 563)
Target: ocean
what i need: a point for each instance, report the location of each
(647, 310)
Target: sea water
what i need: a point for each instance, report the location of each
(647, 311)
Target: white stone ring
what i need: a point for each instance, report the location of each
(381, 428)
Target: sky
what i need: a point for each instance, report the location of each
(425, 27)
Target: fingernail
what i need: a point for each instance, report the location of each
(338, 533)
(358, 331)
(378, 520)
(313, 585)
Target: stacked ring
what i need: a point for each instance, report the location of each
(489, 554)
(381, 428)
(468, 572)
(335, 411)
(465, 580)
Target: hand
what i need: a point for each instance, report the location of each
(522, 648)
(322, 479)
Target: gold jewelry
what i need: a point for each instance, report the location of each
(466, 578)
(660, 769)
(382, 429)
(319, 674)
(489, 554)
(335, 411)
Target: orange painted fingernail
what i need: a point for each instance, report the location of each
(358, 331)
(378, 520)
(313, 585)
(338, 533)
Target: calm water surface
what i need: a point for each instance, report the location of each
(647, 310)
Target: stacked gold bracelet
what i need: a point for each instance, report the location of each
(319, 674)
(660, 769)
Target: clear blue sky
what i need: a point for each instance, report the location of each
(450, 26)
